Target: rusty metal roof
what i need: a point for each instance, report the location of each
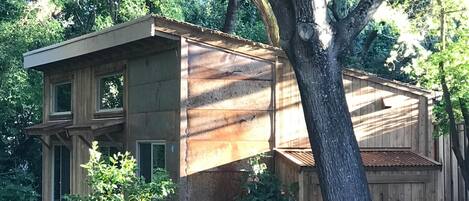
(371, 159)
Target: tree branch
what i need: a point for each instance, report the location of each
(348, 28)
(270, 21)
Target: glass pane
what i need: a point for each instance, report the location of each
(158, 156)
(111, 92)
(145, 161)
(63, 97)
(56, 173)
(61, 178)
(65, 183)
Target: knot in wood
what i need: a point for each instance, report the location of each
(305, 30)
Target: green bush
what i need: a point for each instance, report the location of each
(115, 180)
(262, 185)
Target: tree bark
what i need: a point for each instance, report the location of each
(313, 44)
(230, 17)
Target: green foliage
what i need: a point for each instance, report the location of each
(249, 23)
(87, 16)
(262, 185)
(169, 8)
(211, 14)
(11, 10)
(21, 30)
(17, 184)
(115, 180)
(456, 60)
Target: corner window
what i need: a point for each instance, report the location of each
(62, 97)
(61, 173)
(110, 92)
(152, 156)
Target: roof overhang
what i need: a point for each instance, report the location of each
(64, 129)
(142, 28)
(373, 159)
(104, 39)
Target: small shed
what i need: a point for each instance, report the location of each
(393, 174)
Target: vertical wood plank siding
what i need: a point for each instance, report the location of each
(383, 116)
(229, 119)
(452, 184)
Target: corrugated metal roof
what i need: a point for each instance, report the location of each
(371, 158)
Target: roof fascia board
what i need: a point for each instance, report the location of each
(107, 38)
(216, 38)
(389, 83)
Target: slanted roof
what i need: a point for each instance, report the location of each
(390, 83)
(372, 159)
(62, 130)
(49, 128)
(153, 26)
(97, 127)
(145, 27)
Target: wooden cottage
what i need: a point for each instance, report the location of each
(199, 103)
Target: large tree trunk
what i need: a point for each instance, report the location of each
(313, 44)
(331, 134)
(230, 17)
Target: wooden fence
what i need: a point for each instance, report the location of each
(450, 180)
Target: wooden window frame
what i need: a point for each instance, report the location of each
(151, 142)
(60, 115)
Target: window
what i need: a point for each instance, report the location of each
(62, 98)
(151, 157)
(110, 92)
(61, 174)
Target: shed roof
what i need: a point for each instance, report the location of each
(372, 159)
(152, 26)
(141, 28)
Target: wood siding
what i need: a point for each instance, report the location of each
(229, 111)
(385, 185)
(452, 186)
(383, 115)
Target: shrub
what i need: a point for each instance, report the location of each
(262, 185)
(115, 180)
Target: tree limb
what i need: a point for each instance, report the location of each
(348, 28)
(270, 21)
(465, 113)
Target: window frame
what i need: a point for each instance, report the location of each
(98, 93)
(151, 142)
(53, 94)
(53, 170)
